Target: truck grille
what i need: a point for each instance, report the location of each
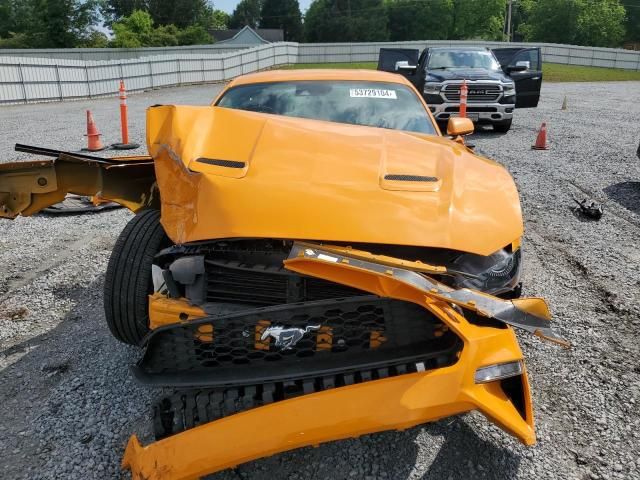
(477, 93)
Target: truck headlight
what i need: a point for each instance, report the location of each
(496, 273)
(432, 88)
(509, 90)
(498, 372)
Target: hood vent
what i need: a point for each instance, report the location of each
(222, 163)
(409, 178)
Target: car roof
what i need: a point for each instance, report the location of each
(318, 74)
(460, 49)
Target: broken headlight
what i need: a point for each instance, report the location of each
(496, 273)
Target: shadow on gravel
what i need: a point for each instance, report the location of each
(48, 393)
(465, 455)
(627, 194)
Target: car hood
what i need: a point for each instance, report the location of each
(226, 173)
(465, 74)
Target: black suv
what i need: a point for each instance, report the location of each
(499, 80)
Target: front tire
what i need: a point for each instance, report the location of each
(128, 280)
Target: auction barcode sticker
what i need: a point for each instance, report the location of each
(372, 93)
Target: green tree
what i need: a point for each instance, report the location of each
(133, 31)
(247, 12)
(285, 15)
(181, 13)
(95, 39)
(633, 22)
(477, 19)
(194, 35)
(213, 19)
(138, 30)
(579, 22)
(47, 23)
(346, 21)
(430, 21)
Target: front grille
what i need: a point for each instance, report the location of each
(472, 109)
(260, 284)
(306, 340)
(477, 93)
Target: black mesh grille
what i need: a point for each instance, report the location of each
(235, 282)
(328, 337)
(410, 178)
(221, 163)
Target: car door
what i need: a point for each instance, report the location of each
(528, 81)
(390, 56)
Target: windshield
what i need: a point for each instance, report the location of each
(373, 104)
(462, 59)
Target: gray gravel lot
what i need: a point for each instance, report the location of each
(68, 403)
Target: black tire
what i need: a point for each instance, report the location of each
(128, 279)
(502, 127)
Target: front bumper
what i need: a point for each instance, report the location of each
(486, 113)
(393, 403)
(390, 404)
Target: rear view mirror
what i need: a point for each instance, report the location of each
(458, 126)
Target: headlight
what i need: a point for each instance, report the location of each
(494, 274)
(432, 88)
(509, 90)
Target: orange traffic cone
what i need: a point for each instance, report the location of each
(94, 143)
(541, 141)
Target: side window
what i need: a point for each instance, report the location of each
(532, 56)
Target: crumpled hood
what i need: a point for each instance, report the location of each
(226, 173)
(466, 73)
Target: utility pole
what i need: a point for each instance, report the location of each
(509, 20)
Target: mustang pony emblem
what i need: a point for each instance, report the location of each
(286, 338)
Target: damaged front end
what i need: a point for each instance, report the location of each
(339, 343)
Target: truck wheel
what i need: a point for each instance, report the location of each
(502, 127)
(128, 279)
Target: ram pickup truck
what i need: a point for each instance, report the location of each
(499, 80)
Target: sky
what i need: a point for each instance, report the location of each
(229, 5)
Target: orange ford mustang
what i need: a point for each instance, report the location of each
(310, 260)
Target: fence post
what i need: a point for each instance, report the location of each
(86, 77)
(179, 72)
(58, 82)
(202, 67)
(150, 74)
(24, 89)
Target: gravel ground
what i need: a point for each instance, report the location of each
(68, 404)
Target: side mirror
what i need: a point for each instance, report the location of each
(403, 66)
(459, 126)
(520, 66)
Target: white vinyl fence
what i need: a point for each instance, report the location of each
(119, 53)
(38, 79)
(551, 52)
(25, 80)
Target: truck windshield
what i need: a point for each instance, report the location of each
(373, 104)
(439, 60)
